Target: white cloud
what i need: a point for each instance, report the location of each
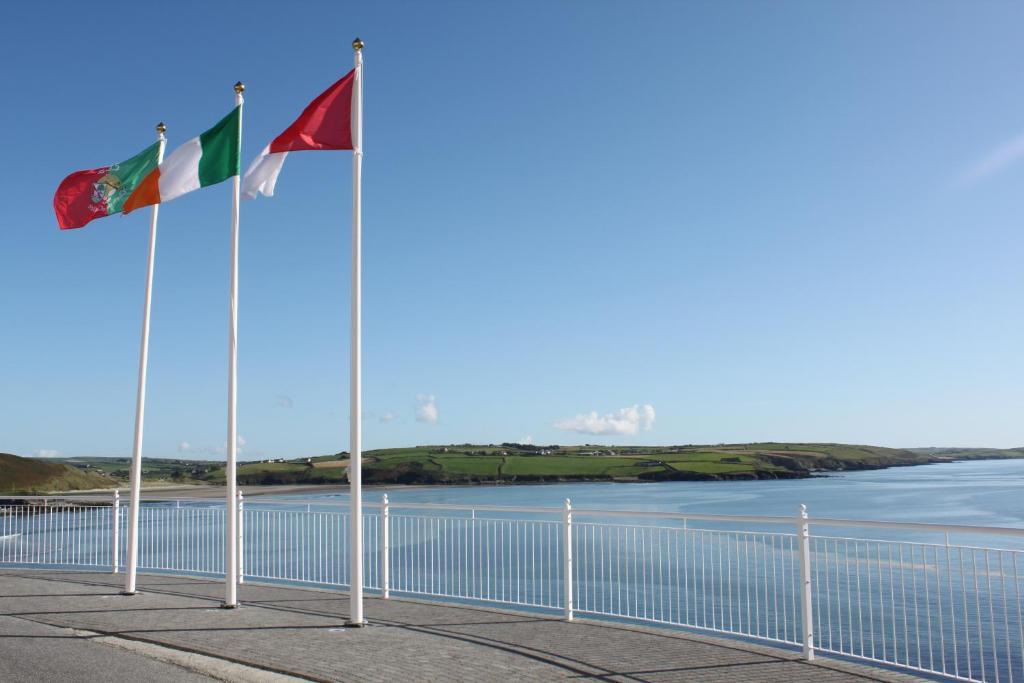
(184, 447)
(625, 421)
(45, 453)
(647, 416)
(389, 417)
(223, 448)
(427, 409)
(1006, 154)
(526, 439)
(285, 401)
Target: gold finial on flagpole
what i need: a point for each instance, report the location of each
(161, 128)
(357, 44)
(239, 88)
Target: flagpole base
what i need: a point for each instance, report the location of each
(128, 594)
(224, 605)
(355, 624)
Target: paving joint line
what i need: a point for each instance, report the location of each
(202, 662)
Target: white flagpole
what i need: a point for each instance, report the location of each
(355, 468)
(231, 505)
(140, 395)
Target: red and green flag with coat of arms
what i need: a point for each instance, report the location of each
(98, 192)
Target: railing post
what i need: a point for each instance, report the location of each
(385, 548)
(806, 613)
(241, 531)
(115, 511)
(567, 557)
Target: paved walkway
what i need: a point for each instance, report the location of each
(174, 630)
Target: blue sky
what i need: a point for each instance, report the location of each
(585, 222)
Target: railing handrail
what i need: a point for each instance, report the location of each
(815, 521)
(477, 508)
(920, 526)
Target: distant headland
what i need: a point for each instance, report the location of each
(506, 463)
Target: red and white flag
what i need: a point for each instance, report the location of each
(325, 124)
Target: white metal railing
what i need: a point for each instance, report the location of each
(59, 534)
(508, 561)
(894, 593)
(725, 581)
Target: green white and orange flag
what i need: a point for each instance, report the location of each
(211, 158)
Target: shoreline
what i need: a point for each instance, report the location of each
(168, 492)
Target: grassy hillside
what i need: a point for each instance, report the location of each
(291, 472)
(512, 463)
(154, 470)
(507, 463)
(28, 475)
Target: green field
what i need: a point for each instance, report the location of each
(483, 466)
(573, 466)
(291, 472)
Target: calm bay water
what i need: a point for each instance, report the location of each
(984, 493)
